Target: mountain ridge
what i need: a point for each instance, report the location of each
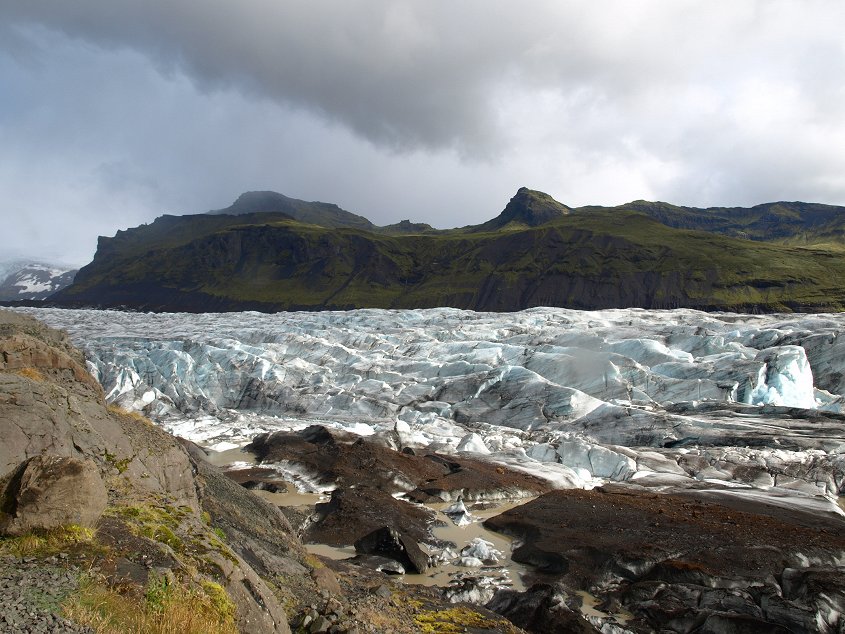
(316, 213)
(536, 252)
(778, 220)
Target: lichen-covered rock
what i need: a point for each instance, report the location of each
(48, 491)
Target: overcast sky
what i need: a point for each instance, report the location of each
(113, 113)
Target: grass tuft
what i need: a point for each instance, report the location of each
(219, 600)
(157, 522)
(117, 410)
(168, 607)
(46, 542)
(456, 619)
(31, 373)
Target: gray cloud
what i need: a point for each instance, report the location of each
(119, 111)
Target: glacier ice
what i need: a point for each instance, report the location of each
(458, 513)
(656, 397)
(785, 378)
(473, 443)
(479, 552)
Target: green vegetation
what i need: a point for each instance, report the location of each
(218, 599)
(45, 543)
(165, 524)
(187, 598)
(121, 464)
(456, 619)
(536, 253)
(154, 522)
(781, 221)
(168, 606)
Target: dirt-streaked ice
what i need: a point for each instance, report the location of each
(656, 397)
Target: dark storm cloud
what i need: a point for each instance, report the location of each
(392, 73)
(434, 73)
(117, 111)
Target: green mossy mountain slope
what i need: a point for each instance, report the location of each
(780, 221)
(538, 252)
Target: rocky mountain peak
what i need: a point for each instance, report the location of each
(257, 201)
(317, 213)
(529, 207)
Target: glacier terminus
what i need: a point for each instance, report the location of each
(749, 403)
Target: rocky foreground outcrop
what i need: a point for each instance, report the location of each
(67, 459)
(135, 525)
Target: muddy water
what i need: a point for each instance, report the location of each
(589, 609)
(588, 604)
(289, 497)
(841, 501)
(331, 552)
(230, 456)
(507, 572)
(458, 535)
(461, 536)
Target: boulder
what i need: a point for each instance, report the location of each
(49, 491)
(352, 514)
(540, 609)
(390, 543)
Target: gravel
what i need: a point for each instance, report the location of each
(30, 593)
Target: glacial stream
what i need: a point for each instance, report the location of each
(506, 572)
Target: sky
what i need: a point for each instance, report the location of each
(113, 113)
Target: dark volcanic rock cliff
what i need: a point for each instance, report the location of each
(537, 252)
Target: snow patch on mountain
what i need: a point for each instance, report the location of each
(34, 281)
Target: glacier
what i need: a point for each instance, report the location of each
(672, 398)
